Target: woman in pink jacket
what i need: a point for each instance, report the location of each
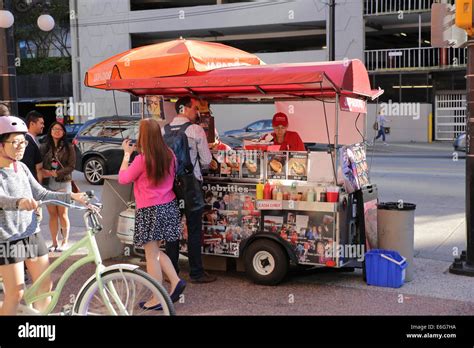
(157, 217)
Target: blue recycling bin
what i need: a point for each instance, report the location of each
(385, 268)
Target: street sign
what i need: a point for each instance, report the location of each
(444, 32)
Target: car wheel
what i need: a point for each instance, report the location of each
(94, 170)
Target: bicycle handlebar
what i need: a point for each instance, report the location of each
(94, 207)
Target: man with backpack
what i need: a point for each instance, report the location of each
(197, 156)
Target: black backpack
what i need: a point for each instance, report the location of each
(177, 140)
(187, 188)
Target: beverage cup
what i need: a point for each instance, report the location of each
(332, 194)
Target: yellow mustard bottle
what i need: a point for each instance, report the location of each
(260, 187)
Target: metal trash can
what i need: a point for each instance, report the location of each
(395, 230)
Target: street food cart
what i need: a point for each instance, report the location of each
(270, 209)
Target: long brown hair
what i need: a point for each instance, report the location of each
(158, 156)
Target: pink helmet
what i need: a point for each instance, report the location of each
(12, 124)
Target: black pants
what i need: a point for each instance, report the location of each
(194, 225)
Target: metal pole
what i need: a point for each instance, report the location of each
(8, 90)
(464, 265)
(336, 138)
(332, 30)
(419, 40)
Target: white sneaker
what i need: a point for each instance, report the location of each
(386, 144)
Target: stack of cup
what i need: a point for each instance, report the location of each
(333, 194)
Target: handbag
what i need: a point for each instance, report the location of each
(74, 187)
(376, 126)
(188, 191)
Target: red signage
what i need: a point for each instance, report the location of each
(269, 205)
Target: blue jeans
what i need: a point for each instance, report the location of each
(381, 133)
(194, 225)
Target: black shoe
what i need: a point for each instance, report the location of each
(205, 278)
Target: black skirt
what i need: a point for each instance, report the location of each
(22, 249)
(156, 223)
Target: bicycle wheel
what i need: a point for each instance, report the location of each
(131, 287)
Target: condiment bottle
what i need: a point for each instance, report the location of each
(267, 191)
(279, 195)
(310, 195)
(323, 196)
(274, 192)
(260, 188)
(299, 196)
(286, 196)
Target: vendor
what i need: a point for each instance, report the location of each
(288, 140)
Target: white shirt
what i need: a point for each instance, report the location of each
(381, 120)
(198, 147)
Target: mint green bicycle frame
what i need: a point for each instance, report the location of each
(31, 294)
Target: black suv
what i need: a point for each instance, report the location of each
(98, 145)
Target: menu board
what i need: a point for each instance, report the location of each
(298, 166)
(277, 165)
(252, 164)
(354, 167)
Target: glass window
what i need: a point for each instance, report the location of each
(268, 124)
(256, 126)
(116, 129)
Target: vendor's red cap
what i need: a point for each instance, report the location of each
(280, 119)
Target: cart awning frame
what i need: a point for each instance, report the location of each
(256, 83)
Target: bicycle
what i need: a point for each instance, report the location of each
(114, 290)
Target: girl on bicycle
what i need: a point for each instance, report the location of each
(21, 242)
(157, 217)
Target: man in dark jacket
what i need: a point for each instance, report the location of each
(32, 157)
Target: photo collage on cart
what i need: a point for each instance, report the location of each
(230, 216)
(310, 234)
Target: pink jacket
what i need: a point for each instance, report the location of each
(146, 194)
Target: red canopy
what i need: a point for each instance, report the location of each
(277, 81)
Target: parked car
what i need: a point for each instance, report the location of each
(71, 130)
(232, 142)
(254, 130)
(98, 145)
(460, 142)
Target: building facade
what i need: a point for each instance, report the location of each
(392, 37)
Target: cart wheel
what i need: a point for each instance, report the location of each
(266, 262)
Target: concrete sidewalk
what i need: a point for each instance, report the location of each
(412, 149)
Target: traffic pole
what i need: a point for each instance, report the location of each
(332, 30)
(464, 265)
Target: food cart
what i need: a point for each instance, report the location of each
(270, 209)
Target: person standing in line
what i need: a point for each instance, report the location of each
(187, 111)
(381, 122)
(59, 160)
(32, 157)
(157, 217)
